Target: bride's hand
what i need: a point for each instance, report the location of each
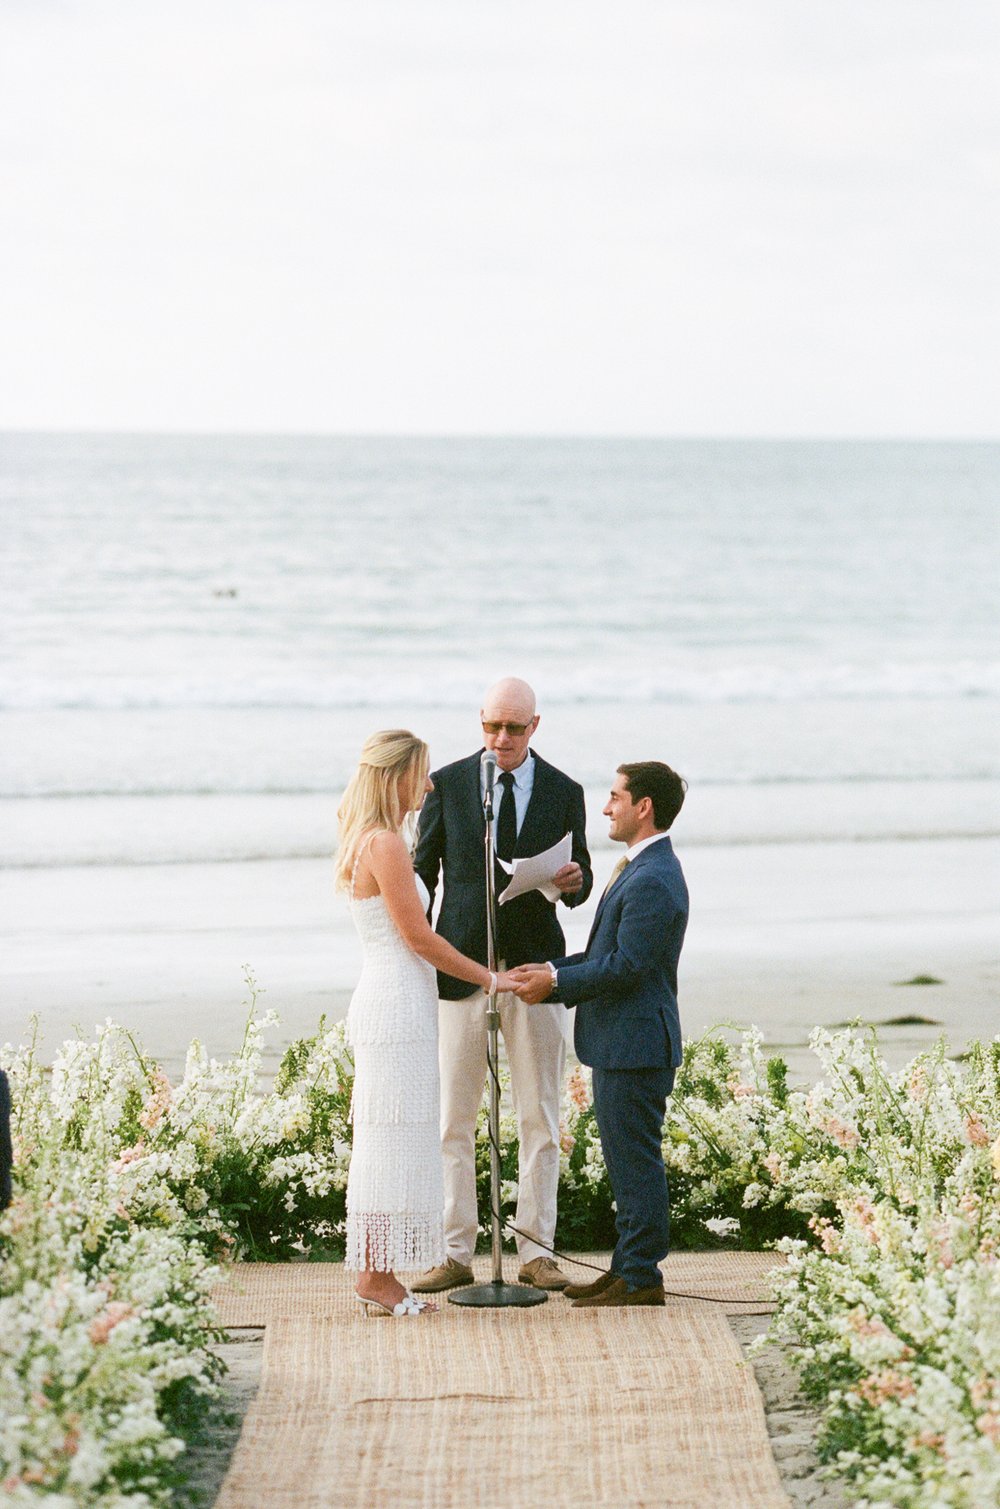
(505, 981)
(533, 983)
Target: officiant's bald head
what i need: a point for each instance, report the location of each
(509, 719)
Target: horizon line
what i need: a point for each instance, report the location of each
(722, 437)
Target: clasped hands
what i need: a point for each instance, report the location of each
(531, 982)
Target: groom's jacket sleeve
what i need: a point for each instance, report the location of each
(645, 943)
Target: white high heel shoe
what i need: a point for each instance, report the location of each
(408, 1305)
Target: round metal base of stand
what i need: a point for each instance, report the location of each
(498, 1295)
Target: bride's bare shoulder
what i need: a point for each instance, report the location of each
(382, 841)
(386, 851)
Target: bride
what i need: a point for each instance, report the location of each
(395, 1186)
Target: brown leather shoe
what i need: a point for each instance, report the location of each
(447, 1275)
(543, 1273)
(597, 1286)
(619, 1293)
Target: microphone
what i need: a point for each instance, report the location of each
(488, 765)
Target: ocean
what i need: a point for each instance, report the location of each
(199, 631)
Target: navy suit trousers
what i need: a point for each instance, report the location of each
(630, 1105)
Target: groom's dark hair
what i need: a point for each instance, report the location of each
(664, 787)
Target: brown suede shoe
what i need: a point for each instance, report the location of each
(543, 1273)
(597, 1286)
(619, 1293)
(447, 1275)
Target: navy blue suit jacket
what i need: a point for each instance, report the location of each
(451, 838)
(624, 984)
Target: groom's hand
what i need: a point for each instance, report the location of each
(569, 879)
(532, 982)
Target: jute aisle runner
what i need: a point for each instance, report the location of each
(594, 1409)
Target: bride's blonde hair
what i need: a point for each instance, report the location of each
(372, 796)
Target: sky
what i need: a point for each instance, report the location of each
(664, 217)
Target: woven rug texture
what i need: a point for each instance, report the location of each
(596, 1408)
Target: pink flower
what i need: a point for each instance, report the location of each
(941, 1236)
(159, 1101)
(917, 1086)
(102, 1325)
(865, 1215)
(843, 1135)
(578, 1092)
(829, 1236)
(864, 1325)
(975, 1130)
(129, 1155)
(888, 1384)
(989, 1425)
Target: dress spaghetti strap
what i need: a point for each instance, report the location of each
(362, 846)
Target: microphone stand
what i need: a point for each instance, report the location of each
(496, 1294)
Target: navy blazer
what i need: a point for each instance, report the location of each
(624, 985)
(451, 837)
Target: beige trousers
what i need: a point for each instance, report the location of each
(535, 1041)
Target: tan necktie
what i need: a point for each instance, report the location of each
(619, 867)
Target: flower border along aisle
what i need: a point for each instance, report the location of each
(105, 1321)
(883, 1190)
(897, 1311)
(127, 1190)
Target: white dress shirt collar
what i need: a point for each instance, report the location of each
(524, 776)
(644, 843)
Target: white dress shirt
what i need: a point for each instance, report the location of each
(524, 780)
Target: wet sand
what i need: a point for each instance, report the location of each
(784, 935)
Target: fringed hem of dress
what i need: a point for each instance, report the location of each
(405, 1240)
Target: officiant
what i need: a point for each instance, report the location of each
(535, 805)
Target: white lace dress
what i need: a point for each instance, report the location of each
(395, 1186)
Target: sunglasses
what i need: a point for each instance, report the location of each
(514, 729)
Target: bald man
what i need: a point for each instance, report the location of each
(534, 806)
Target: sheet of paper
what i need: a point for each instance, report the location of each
(535, 872)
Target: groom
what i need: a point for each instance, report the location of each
(624, 986)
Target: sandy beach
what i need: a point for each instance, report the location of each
(783, 935)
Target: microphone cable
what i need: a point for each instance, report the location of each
(506, 1224)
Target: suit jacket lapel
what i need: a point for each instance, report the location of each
(474, 794)
(623, 880)
(527, 840)
(619, 881)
